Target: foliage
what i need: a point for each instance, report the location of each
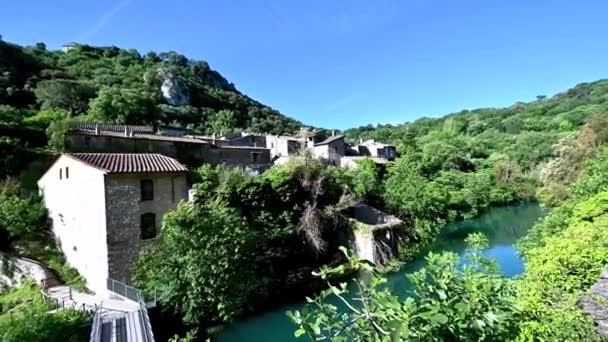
(244, 238)
(213, 244)
(61, 93)
(24, 316)
(561, 269)
(123, 106)
(21, 218)
(448, 303)
(45, 118)
(592, 180)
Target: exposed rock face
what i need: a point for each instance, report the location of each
(597, 303)
(15, 270)
(174, 92)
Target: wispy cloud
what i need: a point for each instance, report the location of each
(341, 102)
(104, 19)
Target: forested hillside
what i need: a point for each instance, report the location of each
(114, 85)
(538, 147)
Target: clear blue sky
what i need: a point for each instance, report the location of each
(347, 63)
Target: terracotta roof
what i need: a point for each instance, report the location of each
(81, 126)
(142, 136)
(129, 162)
(330, 140)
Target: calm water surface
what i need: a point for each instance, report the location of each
(502, 225)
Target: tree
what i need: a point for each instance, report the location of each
(449, 303)
(21, 218)
(201, 267)
(67, 94)
(123, 106)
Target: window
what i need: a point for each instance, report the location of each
(60, 174)
(67, 172)
(254, 157)
(147, 190)
(148, 226)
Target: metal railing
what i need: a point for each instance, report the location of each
(96, 326)
(127, 291)
(148, 334)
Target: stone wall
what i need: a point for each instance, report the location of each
(124, 210)
(249, 140)
(376, 234)
(192, 154)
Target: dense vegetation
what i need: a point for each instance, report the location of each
(565, 253)
(246, 239)
(24, 316)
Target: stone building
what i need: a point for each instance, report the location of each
(190, 150)
(372, 148)
(331, 149)
(104, 207)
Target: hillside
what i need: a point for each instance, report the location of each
(114, 85)
(525, 131)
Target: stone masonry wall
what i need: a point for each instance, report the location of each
(123, 213)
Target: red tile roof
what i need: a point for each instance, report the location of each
(129, 162)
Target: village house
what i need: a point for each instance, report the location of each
(331, 149)
(190, 149)
(372, 148)
(105, 207)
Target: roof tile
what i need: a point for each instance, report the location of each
(129, 162)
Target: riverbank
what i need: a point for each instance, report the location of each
(502, 225)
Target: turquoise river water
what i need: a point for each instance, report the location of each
(502, 225)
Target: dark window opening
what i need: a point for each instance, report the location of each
(254, 157)
(60, 174)
(147, 190)
(67, 172)
(148, 226)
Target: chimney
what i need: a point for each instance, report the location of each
(96, 129)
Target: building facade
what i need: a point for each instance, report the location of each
(105, 207)
(190, 150)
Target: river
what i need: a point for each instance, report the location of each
(502, 225)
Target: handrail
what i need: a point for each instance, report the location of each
(96, 326)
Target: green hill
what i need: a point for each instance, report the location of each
(114, 85)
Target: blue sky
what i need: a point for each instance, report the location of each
(345, 63)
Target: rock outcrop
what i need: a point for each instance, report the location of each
(174, 91)
(14, 270)
(596, 304)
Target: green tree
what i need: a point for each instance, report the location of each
(449, 303)
(123, 106)
(67, 94)
(201, 267)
